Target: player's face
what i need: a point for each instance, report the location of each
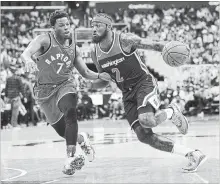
(99, 31)
(62, 27)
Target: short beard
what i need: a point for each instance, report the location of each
(98, 39)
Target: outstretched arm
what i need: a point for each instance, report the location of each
(82, 68)
(85, 71)
(131, 41)
(98, 83)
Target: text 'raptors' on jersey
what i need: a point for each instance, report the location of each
(57, 57)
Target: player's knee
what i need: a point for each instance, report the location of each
(71, 115)
(147, 120)
(143, 134)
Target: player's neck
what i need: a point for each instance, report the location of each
(63, 41)
(106, 43)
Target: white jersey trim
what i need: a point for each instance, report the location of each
(146, 98)
(145, 69)
(121, 47)
(141, 64)
(61, 44)
(135, 121)
(57, 120)
(110, 47)
(50, 36)
(63, 96)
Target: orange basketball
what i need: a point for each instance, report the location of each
(176, 53)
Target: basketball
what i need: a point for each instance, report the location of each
(176, 53)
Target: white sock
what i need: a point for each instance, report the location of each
(169, 112)
(181, 150)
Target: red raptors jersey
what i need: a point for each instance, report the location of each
(56, 64)
(126, 69)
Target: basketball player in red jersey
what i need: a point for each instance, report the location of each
(116, 54)
(56, 56)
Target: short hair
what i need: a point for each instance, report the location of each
(56, 15)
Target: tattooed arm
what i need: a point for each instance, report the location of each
(130, 41)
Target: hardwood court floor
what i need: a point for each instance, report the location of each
(36, 155)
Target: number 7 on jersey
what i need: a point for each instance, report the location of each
(61, 66)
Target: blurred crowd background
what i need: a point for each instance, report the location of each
(196, 90)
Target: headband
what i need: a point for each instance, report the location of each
(103, 19)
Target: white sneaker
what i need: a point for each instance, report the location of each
(179, 119)
(196, 159)
(73, 163)
(87, 147)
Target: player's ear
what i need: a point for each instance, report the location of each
(109, 27)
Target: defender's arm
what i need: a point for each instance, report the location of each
(82, 68)
(98, 83)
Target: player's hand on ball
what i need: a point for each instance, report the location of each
(31, 67)
(105, 76)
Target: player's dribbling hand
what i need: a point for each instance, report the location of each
(31, 67)
(105, 76)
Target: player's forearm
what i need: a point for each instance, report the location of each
(130, 40)
(89, 74)
(97, 84)
(151, 45)
(26, 58)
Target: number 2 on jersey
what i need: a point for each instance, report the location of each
(118, 75)
(61, 66)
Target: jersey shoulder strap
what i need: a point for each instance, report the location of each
(126, 53)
